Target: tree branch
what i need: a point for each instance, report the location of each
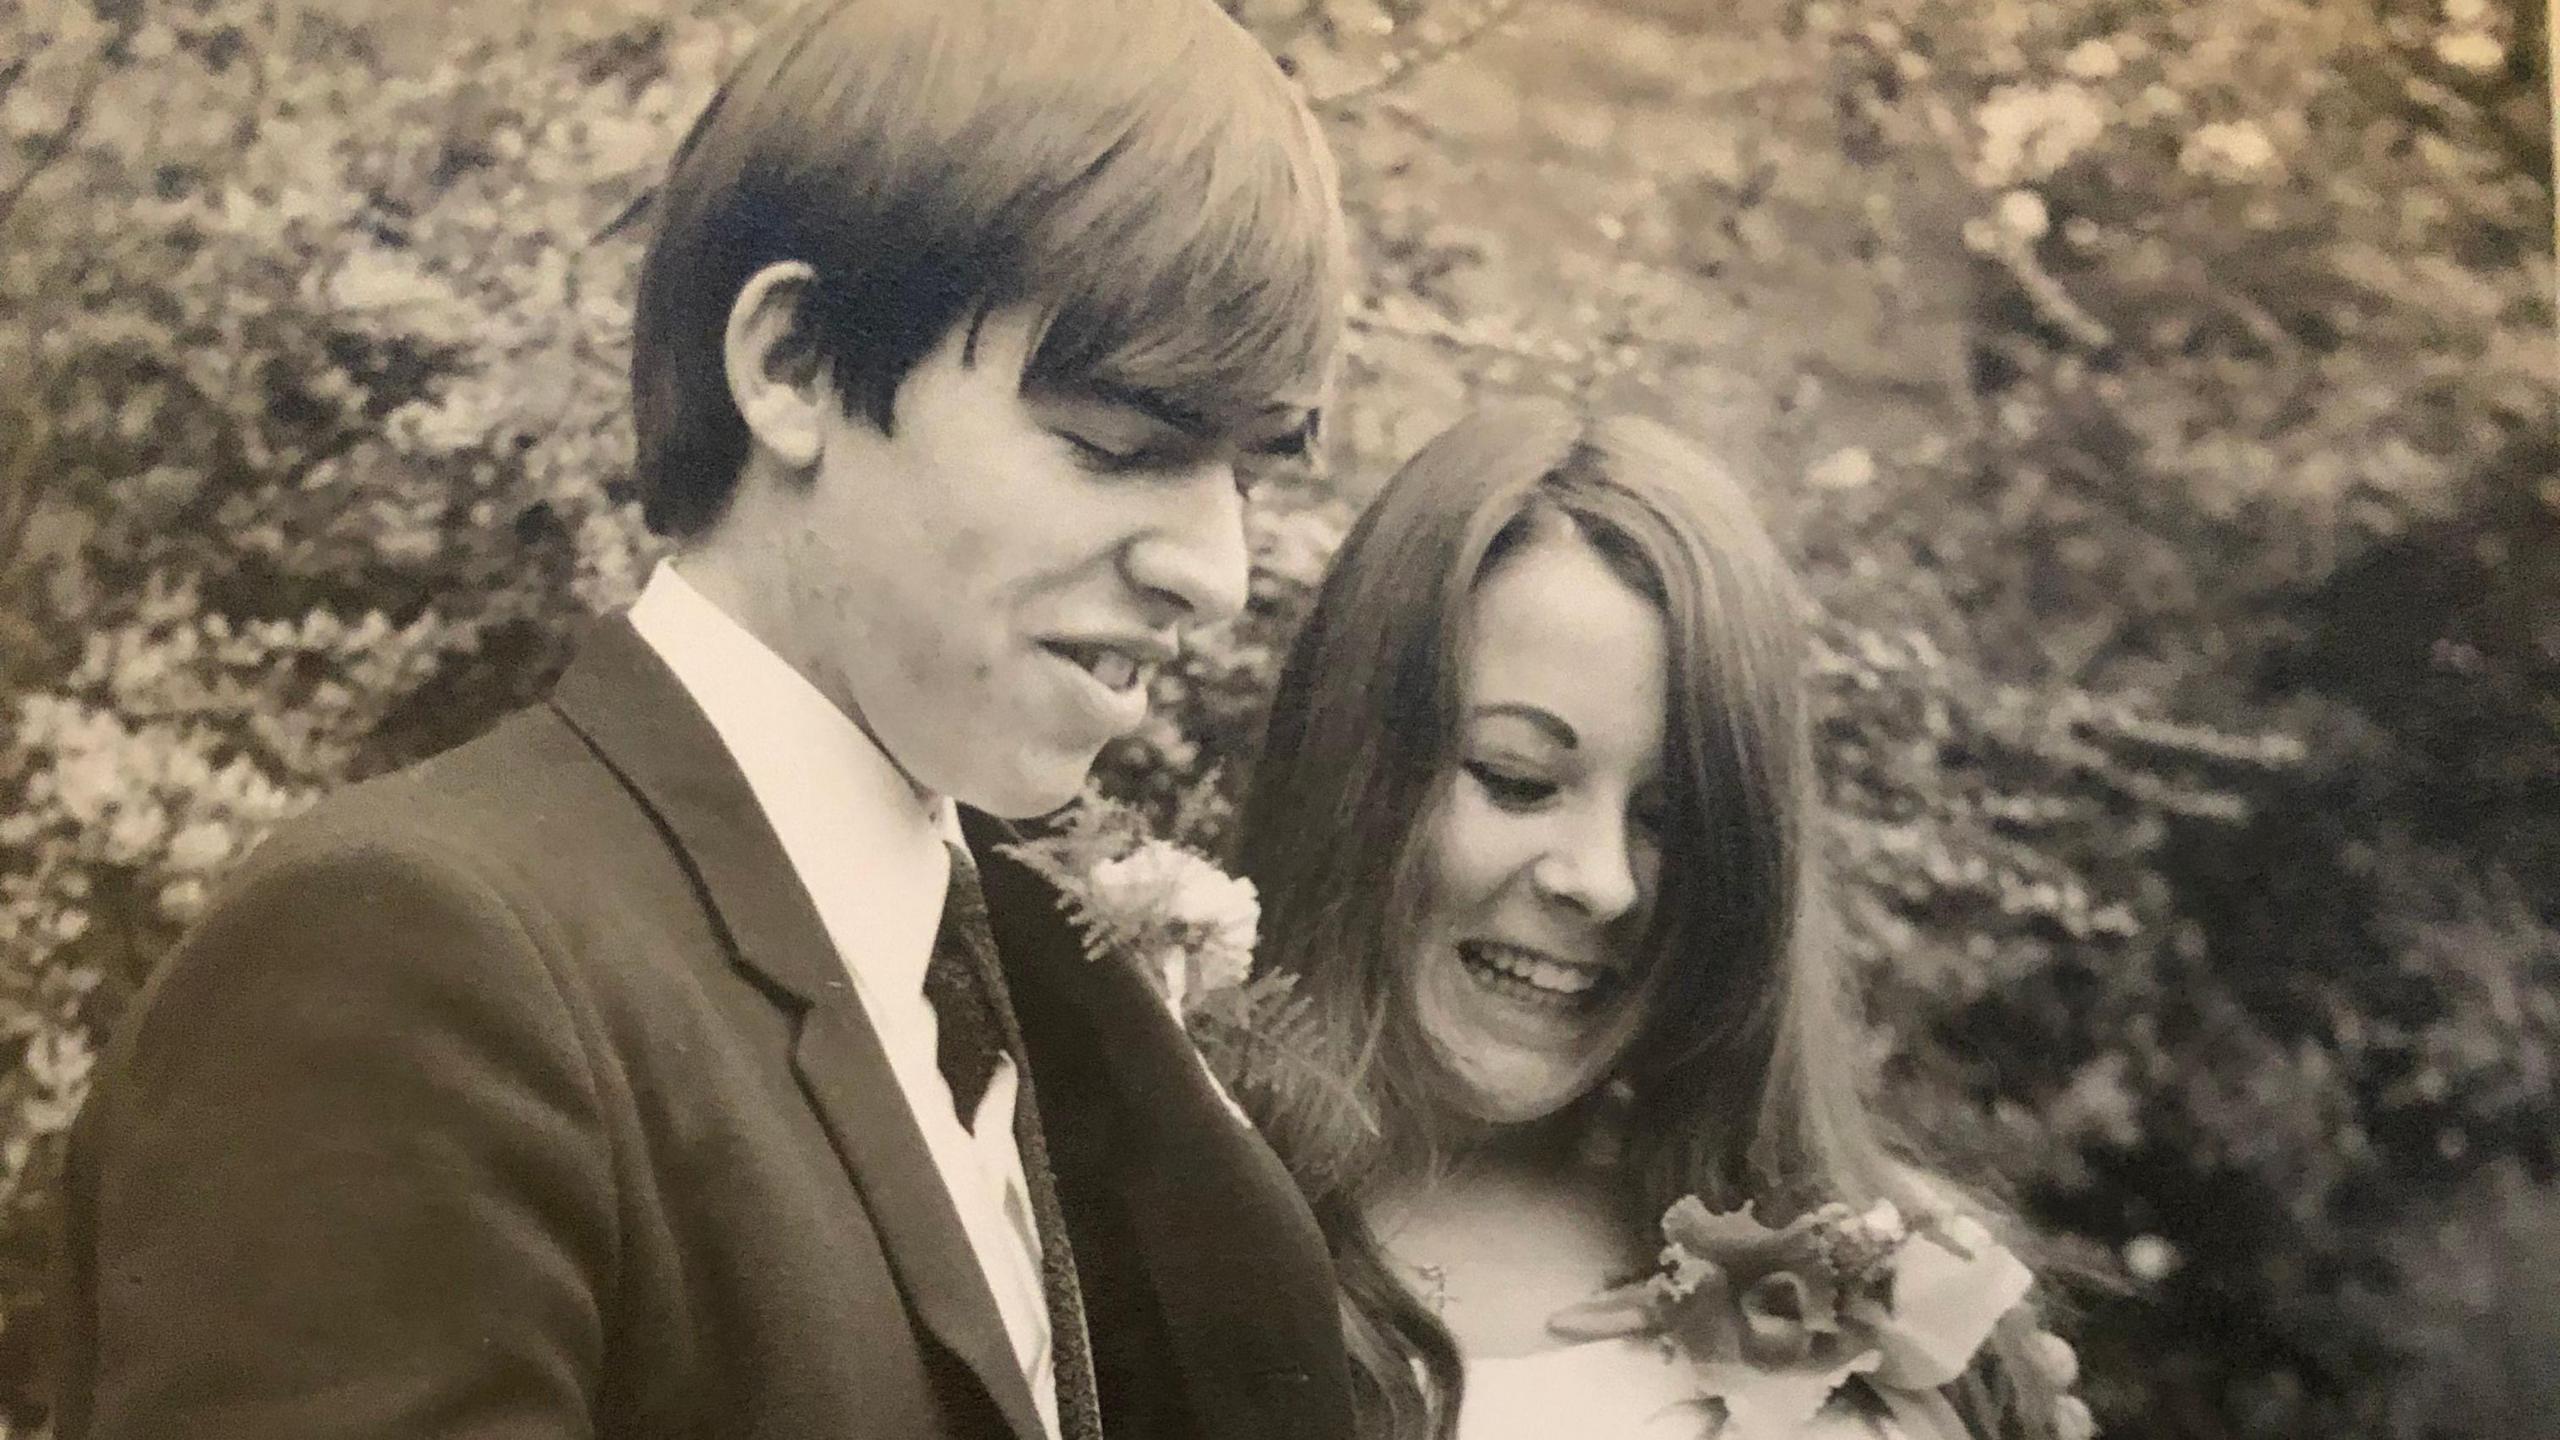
(59, 142)
(1418, 323)
(22, 460)
(1403, 65)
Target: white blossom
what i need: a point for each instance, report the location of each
(2093, 59)
(135, 833)
(2474, 50)
(183, 900)
(1850, 468)
(377, 279)
(2227, 150)
(2150, 1257)
(199, 847)
(2023, 214)
(2028, 132)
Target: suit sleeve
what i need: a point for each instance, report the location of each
(346, 1175)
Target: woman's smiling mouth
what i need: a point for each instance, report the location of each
(1535, 977)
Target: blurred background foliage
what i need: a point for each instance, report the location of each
(2160, 398)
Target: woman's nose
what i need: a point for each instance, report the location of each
(1590, 866)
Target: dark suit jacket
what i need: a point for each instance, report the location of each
(521, 1095)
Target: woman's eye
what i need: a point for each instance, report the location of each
(1256, 464)
(1512, 792)
(1650, 820)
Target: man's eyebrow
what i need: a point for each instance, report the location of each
(1286, 441)
(1545, 721)
(1154, 404)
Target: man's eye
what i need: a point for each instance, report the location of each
(1250, 471)
(1511, 792)
(1102, 457)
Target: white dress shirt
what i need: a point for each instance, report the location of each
(871, 853)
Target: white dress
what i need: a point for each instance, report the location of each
(1623, 1389)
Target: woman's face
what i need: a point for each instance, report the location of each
(1542, 860)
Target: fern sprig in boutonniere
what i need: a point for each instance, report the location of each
(1188, 929)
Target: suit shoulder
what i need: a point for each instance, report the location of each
(435, 862)
(524, 806)
(528, 762)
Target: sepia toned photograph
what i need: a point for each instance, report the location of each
(1279, 720)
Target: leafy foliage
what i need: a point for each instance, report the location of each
(2158, 398)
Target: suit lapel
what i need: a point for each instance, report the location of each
(1233, 1259)
(844, 1070)
(636, 715)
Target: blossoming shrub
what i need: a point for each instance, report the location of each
(313, 418)
(2262, 315)
(2150, 394)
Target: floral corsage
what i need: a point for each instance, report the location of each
(1779, 1321)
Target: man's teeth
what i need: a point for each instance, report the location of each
(1532, 969)
(1114, 668)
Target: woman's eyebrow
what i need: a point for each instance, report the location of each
(1545, 721)
(1289, 442)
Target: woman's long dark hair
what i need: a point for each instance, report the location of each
(1744, 1074)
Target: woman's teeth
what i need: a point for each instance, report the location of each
(1530, 975)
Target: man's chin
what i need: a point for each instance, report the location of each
(1030, 792)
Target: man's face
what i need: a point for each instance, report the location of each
(988, 590)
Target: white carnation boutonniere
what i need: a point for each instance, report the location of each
(1778, 1321)
(1187, 924)
(1187, 928)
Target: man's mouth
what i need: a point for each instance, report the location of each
(1112, 666)
(1535, 977)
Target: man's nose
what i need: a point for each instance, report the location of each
(1195, 558)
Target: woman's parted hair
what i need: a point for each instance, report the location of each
(1140, 171)
(1364, 732)
(1747, 1069)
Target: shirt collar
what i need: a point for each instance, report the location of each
(868, 849)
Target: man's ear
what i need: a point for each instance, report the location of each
(776, 383)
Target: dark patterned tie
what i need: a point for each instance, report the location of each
(975, 1019)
